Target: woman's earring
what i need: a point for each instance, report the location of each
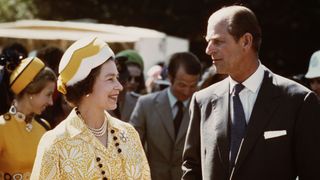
(12, 110)
(87, 95)
(30, 97)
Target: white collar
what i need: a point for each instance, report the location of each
(173, 100)
(253, 82)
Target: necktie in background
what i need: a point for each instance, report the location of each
(238, 124)
(177, 120)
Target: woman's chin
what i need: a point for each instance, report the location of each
(111, 107)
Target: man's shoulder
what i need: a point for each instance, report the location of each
(133, 95)
(288, 86)
(215, 89)
(152, 96)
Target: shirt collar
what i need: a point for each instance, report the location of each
(173, 100)
(253, 82)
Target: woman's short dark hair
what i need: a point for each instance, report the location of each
(244, 21)
(77, 91)
(189, 62)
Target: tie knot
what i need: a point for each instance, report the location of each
(179, 104)
(238, 88)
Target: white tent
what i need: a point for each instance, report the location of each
(153, 45)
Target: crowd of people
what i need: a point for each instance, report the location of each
(88, 113)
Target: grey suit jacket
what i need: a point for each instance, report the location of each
(128, 106)
(152, 118)
(281, 105)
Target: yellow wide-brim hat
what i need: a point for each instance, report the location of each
(24, 73)
(80, 58)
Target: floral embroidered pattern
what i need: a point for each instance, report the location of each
(74, 153)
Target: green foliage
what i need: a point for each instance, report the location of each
(290, 27)
(11, 10)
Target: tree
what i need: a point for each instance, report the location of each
(11, 10)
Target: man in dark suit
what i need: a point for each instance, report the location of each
(162, 118)
(253, 125)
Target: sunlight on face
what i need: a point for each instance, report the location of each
(106, 87)
(315, 85)
(40, 101)
(184, 85)
(225, 52)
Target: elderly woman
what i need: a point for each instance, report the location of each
(90, 143)
(32, 85)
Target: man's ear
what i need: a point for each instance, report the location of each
(246, 40)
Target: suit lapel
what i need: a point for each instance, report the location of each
(221, 116)
(266, 103)
(215, 125)
(164, 111)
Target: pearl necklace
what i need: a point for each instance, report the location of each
(98, 132)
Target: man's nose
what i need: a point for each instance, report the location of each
(210, 48)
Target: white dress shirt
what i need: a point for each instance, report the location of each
(249, 94)
(173, 100)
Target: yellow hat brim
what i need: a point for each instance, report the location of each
(24, 74)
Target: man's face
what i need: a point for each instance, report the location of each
(225, 52)
(315, 85)
(184, 85)
(134, 78)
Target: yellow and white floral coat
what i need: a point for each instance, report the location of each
(71, 151)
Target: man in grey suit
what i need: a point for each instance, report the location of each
(162, 118)
(254, 125)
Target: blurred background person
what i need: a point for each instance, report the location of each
(153, 74)
(51, 56)
(162, 118)
(16, 48)
(135, 65)
(209, 77)
(156, 79)
(313, 74)
(15, 52)
(32, 85)
(126, 100)
(130, 67)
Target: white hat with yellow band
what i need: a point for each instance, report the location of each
(24, 73)
(80, 58)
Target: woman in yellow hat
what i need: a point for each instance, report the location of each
(90, 143)
(32, 85)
